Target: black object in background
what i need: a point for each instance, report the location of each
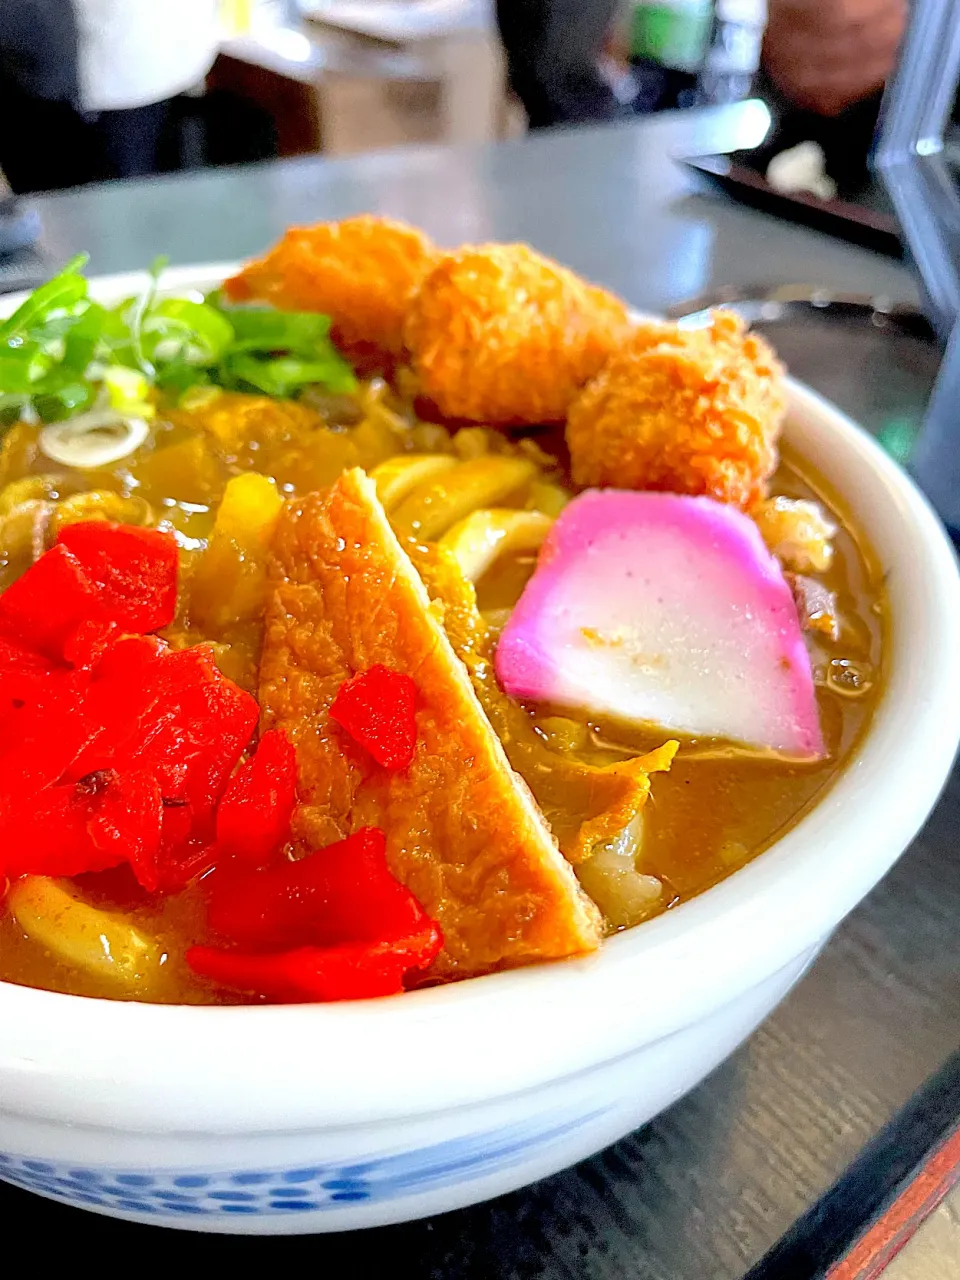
(39, 48)
(661, 88)
(46, 141)
(552, 49)
(43, 141)
(55, 147)
(823, 1236)
(218, 128)
(867, 222)
(845, 139)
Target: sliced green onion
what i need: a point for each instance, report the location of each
(93, 440)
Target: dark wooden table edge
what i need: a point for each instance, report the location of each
(880, 1200)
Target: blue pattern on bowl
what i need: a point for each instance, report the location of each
(191, 1192)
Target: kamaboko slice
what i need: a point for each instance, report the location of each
(667, 610)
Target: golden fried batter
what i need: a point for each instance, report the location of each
(362, 272)
(687, 411)
(462, 830)
(499, 334)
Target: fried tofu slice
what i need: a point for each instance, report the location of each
(463, 832)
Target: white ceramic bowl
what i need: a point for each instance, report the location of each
(320, 1118)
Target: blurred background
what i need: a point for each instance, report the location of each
(94, 90)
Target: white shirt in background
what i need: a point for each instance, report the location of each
(137, 52)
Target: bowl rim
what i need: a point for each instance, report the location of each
(162, 1068)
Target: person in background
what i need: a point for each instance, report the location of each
(86, 85)
(553, 52)
(826, 56)
(824, 66)
(136, 56)
(43, 140)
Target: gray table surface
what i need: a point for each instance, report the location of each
(705, 1190)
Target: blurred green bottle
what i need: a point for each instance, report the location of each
(688, 53)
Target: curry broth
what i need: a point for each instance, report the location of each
(717, 808)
